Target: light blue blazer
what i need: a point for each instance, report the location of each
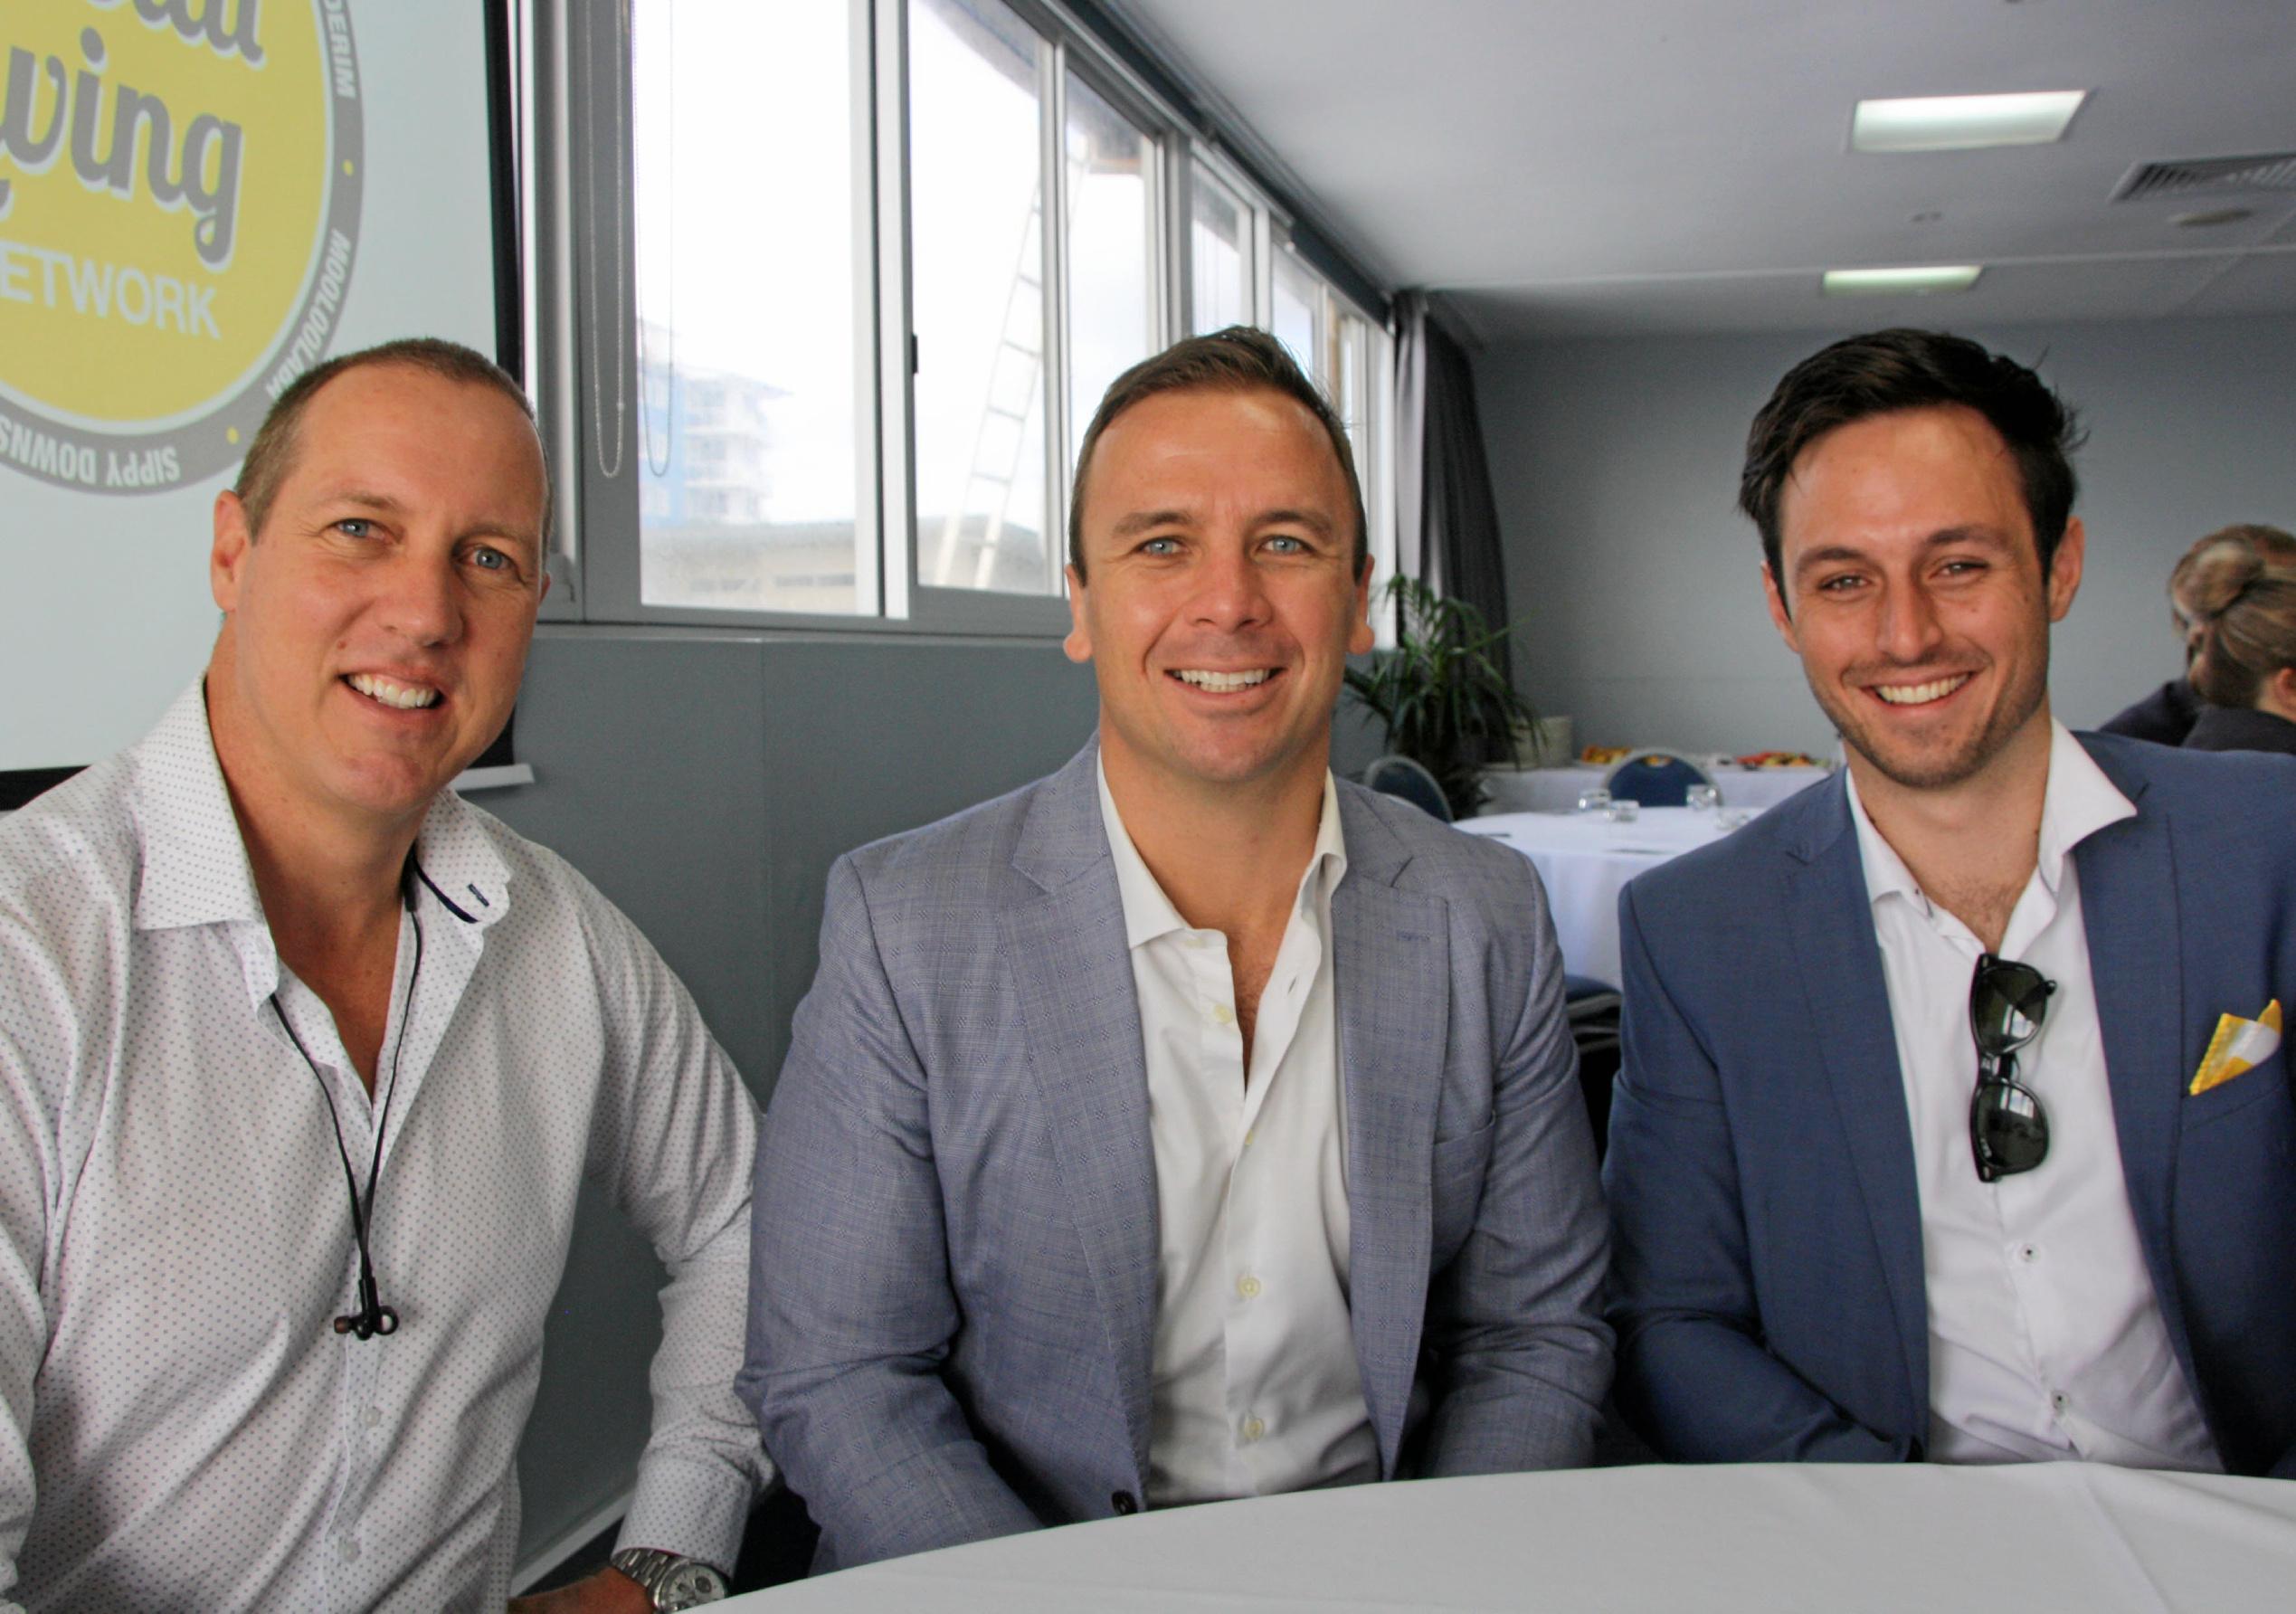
(1769, 1295)
(954, 1284)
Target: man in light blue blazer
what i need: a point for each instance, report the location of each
(1953, 1123)
(1189, 1124)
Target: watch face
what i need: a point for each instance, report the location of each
(688, 1586)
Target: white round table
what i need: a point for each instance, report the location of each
(1556, 788)
(1585, 860)
(1921, 1538)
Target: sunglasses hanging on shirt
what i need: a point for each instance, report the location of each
(2008, 1129)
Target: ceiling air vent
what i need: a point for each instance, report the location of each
(2209, 176)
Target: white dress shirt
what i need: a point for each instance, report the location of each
(180, 1427)
(1254, 1385)
(2045, 1337)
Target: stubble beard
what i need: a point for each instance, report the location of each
(1916, 771)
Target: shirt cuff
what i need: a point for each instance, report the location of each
(692, 1509)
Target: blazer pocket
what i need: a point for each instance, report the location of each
(1458, 1166)
(2251, 1086)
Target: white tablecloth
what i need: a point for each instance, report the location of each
(1922, 1538)
(1556, 790)
(1585, 860)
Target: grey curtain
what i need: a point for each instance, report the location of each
(1447, 524)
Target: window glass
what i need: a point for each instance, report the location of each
(1219, 256)
(976, 199)
(1111, 203)
(749, 477)
(1297, 318)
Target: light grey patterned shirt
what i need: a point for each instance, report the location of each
(180, 1425)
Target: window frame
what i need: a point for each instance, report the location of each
(577, 166)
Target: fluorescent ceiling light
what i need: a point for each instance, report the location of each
(1900, 282)
(1963, 122)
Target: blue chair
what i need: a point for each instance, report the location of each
(1656, 779)
(1406, 780)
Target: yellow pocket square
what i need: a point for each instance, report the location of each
(2237, 1045)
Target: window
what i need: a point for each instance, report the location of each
(977, 204)
(752, 464)
(828, 291)
(1111, 237)
(1220, 259)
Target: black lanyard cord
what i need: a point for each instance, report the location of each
(373, 1317)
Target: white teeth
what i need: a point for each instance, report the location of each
(1915, 694)
(1222, 682)
(407, 698)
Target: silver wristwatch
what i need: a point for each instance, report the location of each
(671, 1581)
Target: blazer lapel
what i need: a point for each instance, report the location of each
(1064, 942)
(1391, 984)
(1827, 905)
(2130, 915)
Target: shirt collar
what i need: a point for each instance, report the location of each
(195, 868)
(2079, 800)
(1149, 913)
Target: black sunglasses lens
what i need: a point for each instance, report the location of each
(2006, 1002)
(2008, 1128)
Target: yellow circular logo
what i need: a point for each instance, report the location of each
(179, 202)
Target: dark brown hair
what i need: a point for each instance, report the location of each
(271, 455)
(1887, 371)
(1241, 358)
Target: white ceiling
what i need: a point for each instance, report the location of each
(1564, 168)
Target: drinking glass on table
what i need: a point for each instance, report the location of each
(1597, 800)
(1624, 813)
(1704, 798)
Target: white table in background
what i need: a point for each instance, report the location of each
(1912, 1538)
(1585, 860)
(1556, 788)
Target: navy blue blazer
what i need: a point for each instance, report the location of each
(1767, 1285)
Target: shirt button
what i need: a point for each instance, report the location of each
(1253, 1430)
(2061, 1402)
(1223, 1013)
(2028, 1254)
(1247, 1286)
(347, 1549)
(1250, 1137)
(372, 1417)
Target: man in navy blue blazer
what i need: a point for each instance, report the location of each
(1953, 1123)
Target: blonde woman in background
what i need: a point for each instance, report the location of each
(2168, 715)
(2243, 609)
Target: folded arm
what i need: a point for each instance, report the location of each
(1693, 1373)
(1521, 1354)
(852, 1311)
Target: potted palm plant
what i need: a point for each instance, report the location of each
(1443, 692)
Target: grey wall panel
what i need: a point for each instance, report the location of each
(1615, 464)
(706, 781)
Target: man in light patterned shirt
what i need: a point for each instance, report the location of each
(302, 1060)
(1191, 1124)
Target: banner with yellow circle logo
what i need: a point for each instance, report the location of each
(200, 200)
(180, 187)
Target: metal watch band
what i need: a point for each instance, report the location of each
(673, 1581)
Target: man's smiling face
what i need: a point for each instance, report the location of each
(1918, 603)
(1220, 601)
(378, 625)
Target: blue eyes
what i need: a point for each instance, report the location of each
(1281, 544)
(491, 560)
